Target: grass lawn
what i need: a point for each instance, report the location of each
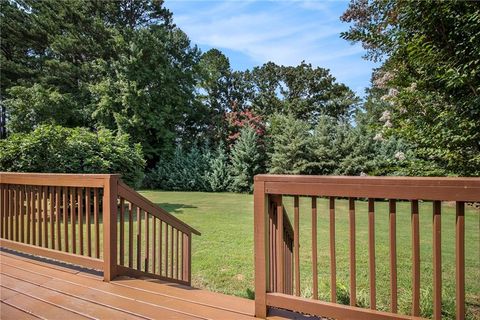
(223, 254)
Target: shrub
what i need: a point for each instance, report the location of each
(57, 149)
(219, 177)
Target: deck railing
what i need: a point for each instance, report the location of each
(96, 221)
(277, 275)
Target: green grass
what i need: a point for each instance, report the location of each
(223, 255)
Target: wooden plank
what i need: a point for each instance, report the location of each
(393, 256)
(96, 213)
(52, 217)
(131, 208)
(122, 231)
(166, 250)
(409, 188)
(88, 213)
(45, 216)
(171, 251)
(57, 217)
(28, 202)
(22, 213)
(154, 249)
(280, 244)
(260, 207)
(329, 309)
(160, 239)
(16, 193)
(147, 241)
(177, 264)
(80, 218)
(371, 253)
(53, 254)
(314, 248)
(8, 312)
(333, 263)
(415, 259)
(296, 231)
(460, 260)
(437, 261)
(65, 217)
(139, 238)
(53, 179)
(353, 270)
(39, 215)
(34, 216)
(110, 228)
(73, 219)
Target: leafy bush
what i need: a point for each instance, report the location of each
(57, 149)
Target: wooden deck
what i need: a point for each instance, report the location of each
(33, 287)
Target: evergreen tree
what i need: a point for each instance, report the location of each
(219, 177)
(291, 145)
(246, 159)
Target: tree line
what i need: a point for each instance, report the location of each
(122, 74)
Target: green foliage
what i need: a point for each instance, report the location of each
(246, 158)
(56, 149)
(429, 81)
(185, 170)
(219, 177)
(290, 142)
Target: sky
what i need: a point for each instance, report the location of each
(251, 33)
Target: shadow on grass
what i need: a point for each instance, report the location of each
(175, 207)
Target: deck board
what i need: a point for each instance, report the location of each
(38, 287)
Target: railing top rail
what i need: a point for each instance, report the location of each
(408, 188)
(55, 179)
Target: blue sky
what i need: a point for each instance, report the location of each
(251, 33)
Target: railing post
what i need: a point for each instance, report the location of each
(110, 228)
(260, 239)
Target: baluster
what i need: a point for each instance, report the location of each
(22, 214)
(139, 238)
(88, 213)
(72, 219)
(371, 252)
(52, 217)
(131, 209)
(17, 210)
(95, 218)
(333, 268)
(45, 217)
(437, 261)
(147, 240)
(392, 204)
(280, 241)
(177, 264)
(2, 208)
(122, 232)
(154, 249)
(28, 204)
(39, 215)
(171, 252)
(460, 260)
(65, 217)
(32, 215)
(296, 240)
(353, 270)
(415, 259)
(80, 217)
(160, 247)
(57, 217)
(314, 248)
(166, 250)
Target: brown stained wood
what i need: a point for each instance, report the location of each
(54, 179)
(57, 218)
(131, 209)
(96, 210)
(16, 211)
(65, 217)
(22, 214)
(415, 259)
(110, 206)
(33, 215)
(52, 217)
(333, 262)
(160, 239)
(296, 228)
(280, 249)
(371, 253)
(392, 204)
(45, 216)
(166, 250)
(73, 219)
(177, 264)
(28, 213)
(147, 241)
(122, 232)
(171, 251)
(353, 270)
(437, 261)
(88, 215)
(314, 248)
(3, 209)
(139, 239)
(80, 218)
(460, 260)
(154, 245)
(9, 312)
(39, 215)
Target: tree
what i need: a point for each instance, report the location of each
(430, 75)
(246, 158)
(219, 176)
(291, 145)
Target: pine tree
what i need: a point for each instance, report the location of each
(291, 140)
(219, 177)
(246, 160)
